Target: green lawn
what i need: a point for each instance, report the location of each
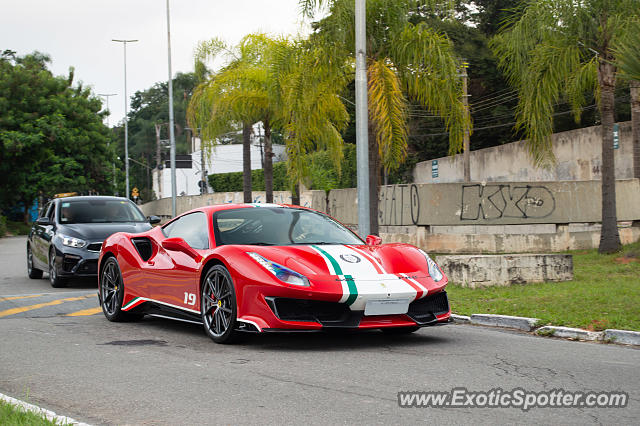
(605, 293)
(10, 415)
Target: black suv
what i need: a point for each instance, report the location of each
(66, 238)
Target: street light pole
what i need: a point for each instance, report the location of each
(126, 113)
(106, 97)
(362, 119)
(172, 136)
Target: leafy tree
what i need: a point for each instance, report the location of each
(555, 48)
(52, 138)
(149, 108)
(405, 61)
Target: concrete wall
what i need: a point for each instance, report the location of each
(578, 157)
(504, 203)
(312, 199)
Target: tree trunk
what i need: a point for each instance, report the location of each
(609, 237)
(374, 177)
(268, 162)
(246, 162)
(634, 88)
(295, 195)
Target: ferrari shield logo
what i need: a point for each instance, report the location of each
(351, 258)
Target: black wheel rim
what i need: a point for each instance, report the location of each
(29, 260)
(217, 302)
(109, 286)
(52, 267)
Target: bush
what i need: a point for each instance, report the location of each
(3, 226)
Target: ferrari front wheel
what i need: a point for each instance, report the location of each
(218, 305)
(112, 291)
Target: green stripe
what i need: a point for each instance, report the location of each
(130, 302)
(353, 290)
(334, 263)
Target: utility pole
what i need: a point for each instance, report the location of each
(106, 97)
(126, 118)
(362, 120)
(158, 159)
(172, 136)
(465, 101)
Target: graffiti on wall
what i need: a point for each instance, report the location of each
(398, 201)
(486, 202)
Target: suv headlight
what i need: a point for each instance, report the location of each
(434, 270)
(283, 273)
(72, 241)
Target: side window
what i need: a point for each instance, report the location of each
(45, 210)
(51, 212)
(192, 228)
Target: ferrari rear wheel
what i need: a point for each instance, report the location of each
(218, 305)
(112, 292)
(400, 330)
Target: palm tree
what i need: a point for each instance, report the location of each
(232, 97)
(305, 88)
(551, 48)
(628, 56)
(404, 61)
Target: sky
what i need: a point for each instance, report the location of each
(78, 33)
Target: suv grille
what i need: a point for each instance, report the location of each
(94, 247)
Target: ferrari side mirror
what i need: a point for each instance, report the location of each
(178, 244)
(373, 240)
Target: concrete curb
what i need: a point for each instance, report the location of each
(625, 337)
(460, 318)
(48, 414)
(506, 321)
(569, 333)
(621, 337)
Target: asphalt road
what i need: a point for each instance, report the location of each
(57, 350)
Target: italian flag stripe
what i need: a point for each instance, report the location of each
(132, 303)
(334, 263)
(353, 290)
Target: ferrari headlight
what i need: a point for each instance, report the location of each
(283, 273)
(72, 241)
(434, 270)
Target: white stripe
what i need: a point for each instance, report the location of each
(48, 414)
(252, 323)
(167, 304)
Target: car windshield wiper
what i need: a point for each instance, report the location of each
(314, 243)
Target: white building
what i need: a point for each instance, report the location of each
(222, 159)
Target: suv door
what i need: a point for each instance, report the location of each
(37, 244)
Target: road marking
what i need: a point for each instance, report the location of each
(2, 299)
(85, 312)
(14, 311)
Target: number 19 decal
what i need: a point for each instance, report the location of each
(189, 298)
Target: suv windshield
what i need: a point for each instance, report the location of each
(279, 226)
(98, 211)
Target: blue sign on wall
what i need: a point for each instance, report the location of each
(616, 136)
(434, 168)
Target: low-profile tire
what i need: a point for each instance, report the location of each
(56, 280)
(34, 273)
(400, 330)
(218, 306)
(112, 293)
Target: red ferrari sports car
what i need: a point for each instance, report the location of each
(267, 267)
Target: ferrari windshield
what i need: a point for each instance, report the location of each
(98, 211)
(279, 226)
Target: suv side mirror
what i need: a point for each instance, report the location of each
(43, 221)
(178, 244)
(373, 240)
(153, 219)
